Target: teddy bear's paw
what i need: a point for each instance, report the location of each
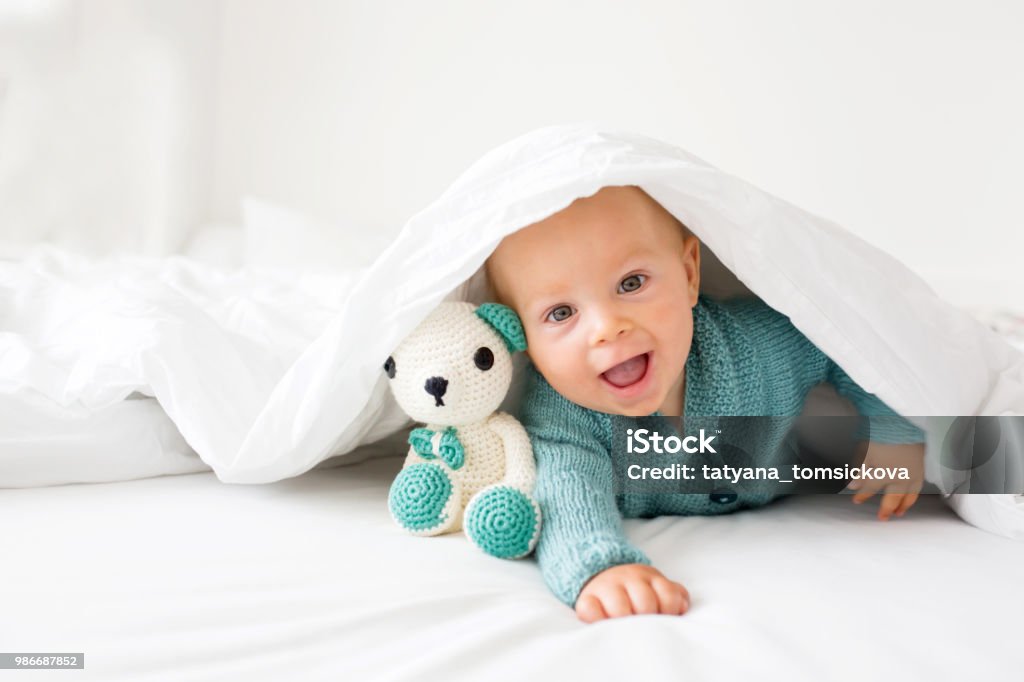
(424, 499)
(503, 521)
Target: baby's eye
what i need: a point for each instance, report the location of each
(632, 283)
(560, 313)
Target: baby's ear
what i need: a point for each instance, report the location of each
(504, 321)
(691, 262)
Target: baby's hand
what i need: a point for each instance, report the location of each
(630, 589)
(900, 494)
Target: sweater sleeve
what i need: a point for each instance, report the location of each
(582, 530)
(793, 364)
(885, 425)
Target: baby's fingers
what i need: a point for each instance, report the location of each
(865, 490)
(907, 502)
(616, 602)
(890, 502)
(589, 609)
(673, 599)
(643, 597)
(608, 603)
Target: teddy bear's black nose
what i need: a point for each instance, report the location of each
(436, 386)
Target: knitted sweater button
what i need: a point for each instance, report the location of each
(723, 496)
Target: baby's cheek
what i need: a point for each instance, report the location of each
(677, 321)
(565, 373)
(547, 358)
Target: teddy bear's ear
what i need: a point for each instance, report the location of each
(505, 322)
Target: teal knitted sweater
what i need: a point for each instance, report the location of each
(746, 359)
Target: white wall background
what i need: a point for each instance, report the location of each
(106, 121)
(899, 120)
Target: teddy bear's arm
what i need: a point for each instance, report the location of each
(412, 457)
(520, 467)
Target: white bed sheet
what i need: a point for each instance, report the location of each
(186, 578)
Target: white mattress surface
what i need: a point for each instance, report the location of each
(186, 578)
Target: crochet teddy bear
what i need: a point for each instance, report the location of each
(471, 467)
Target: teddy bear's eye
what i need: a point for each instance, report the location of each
(389, 367)
(484, 358)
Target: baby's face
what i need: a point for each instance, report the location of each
(605, 290)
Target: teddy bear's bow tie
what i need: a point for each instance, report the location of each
(442, 445)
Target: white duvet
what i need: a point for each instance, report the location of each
(263, 374)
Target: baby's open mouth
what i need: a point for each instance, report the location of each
(628, 372)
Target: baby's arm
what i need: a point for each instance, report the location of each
(792, 363)
(583, 554)
(893, 442)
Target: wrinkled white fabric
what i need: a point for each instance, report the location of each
(90, 351)
(266, 378)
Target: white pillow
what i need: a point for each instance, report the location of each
(280, 237)
(219, 245)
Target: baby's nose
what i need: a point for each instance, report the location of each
(610, 326)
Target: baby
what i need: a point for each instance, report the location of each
(608, 293)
